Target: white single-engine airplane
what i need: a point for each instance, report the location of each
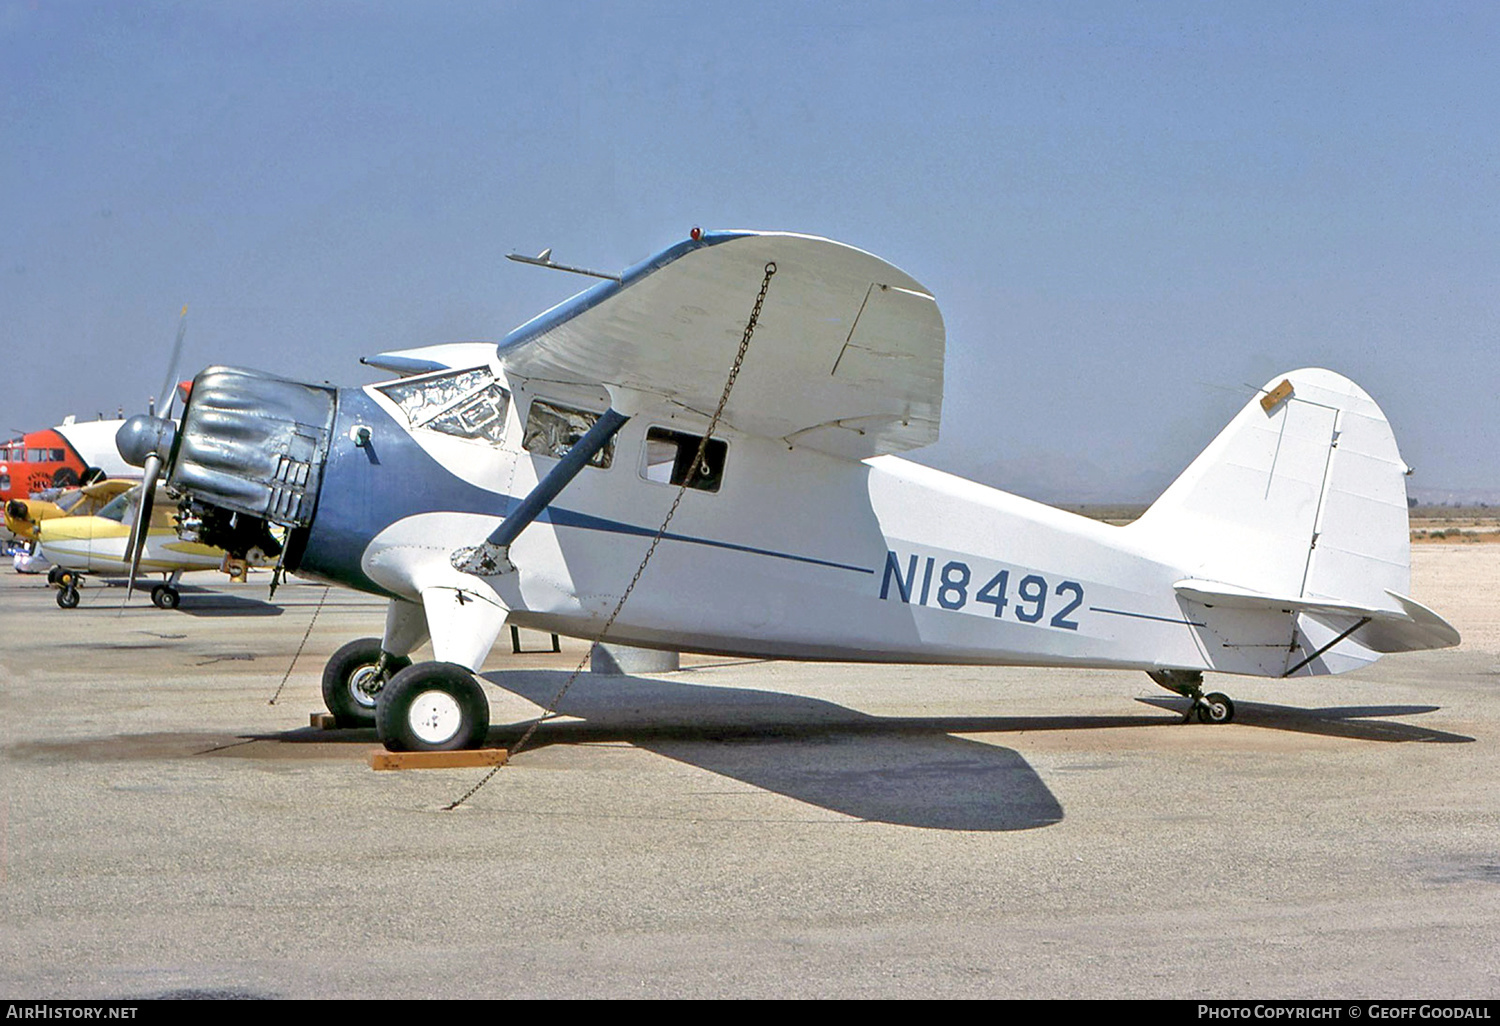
(527, 486)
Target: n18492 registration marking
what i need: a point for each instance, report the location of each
(954, 586)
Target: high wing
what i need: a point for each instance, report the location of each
(846, 358)
(107, 489)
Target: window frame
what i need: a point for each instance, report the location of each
(426, 417)
(679, 435)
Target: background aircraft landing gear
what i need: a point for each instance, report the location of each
(1215, 707)
(66, 582)
(432, 707)
(353, 679)
(164, 596)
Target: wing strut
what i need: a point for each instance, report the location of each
(492, 556)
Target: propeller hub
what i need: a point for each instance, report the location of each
(144, 435)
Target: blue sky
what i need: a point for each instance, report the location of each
(1128, 212)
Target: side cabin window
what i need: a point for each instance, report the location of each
(552, 429)
(465, 404)
(669, 458)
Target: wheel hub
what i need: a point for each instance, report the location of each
(435, 717)
(364, 686)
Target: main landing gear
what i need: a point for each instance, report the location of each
(1214, 707)
(421, 707)
(67, 583)
(432, 707)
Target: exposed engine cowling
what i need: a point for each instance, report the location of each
(250, 453)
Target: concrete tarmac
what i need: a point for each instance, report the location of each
(737, 828)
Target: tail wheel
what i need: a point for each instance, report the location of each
(1215, 707)
(67, 597)
(432, 707)
(165, 596)
(353, 679)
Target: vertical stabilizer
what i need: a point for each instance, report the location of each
(1303, 494)
(1303, 497)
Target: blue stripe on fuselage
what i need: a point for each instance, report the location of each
(365, 490)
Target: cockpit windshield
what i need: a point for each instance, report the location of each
(465, 404)
(117, 507)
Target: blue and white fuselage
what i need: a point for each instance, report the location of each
(799, 554)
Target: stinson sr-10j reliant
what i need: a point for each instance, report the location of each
(524, 482)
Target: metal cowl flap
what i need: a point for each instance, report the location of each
(254, 443)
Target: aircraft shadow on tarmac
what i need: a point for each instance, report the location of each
(213, 603)
(901, 770)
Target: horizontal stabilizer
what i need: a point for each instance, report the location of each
(1421, 629)
(1214, 593)
(1410, 627)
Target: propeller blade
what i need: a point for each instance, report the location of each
(142, 525)
(169, 387)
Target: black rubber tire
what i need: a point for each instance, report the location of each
(164, 596)
(412, 692)
(67, 597)
(339, 686)
(1216, 707)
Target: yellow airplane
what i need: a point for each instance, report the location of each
(80, 545)
(23, 515)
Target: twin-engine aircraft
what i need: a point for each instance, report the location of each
(526, 483)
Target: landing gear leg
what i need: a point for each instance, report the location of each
(355, 676)
(1214, 707)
